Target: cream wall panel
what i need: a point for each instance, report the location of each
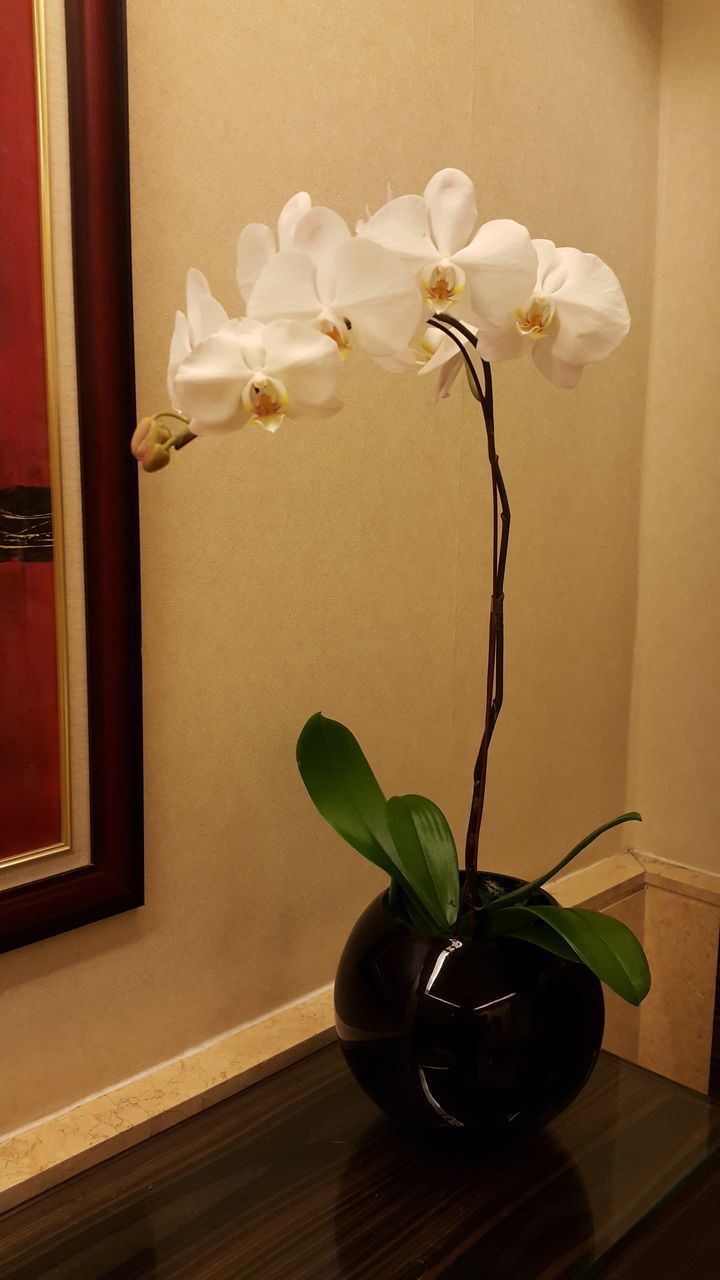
(674, 758)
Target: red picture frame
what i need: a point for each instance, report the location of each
(99, 168)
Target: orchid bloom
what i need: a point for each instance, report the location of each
(434, 233)
(443, 357)
(575, 315)
(251, 372)
(315, 289)
(256, 243)
(341, 285)
(204, 316)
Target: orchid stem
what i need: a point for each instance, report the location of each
(496, 628)
(183, 437)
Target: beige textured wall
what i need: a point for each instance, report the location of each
(674, 756)
(342, 565)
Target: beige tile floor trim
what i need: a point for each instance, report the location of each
(43, 1154)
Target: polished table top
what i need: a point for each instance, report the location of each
(300, 1178)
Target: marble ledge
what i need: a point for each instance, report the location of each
(689, 882)
(600, 885)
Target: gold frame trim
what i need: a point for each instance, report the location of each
(53, 419)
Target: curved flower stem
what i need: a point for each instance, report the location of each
(183, 437)
(496, 627)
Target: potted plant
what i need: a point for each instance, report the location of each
(465, 1001)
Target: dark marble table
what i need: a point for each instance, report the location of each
(300, 1178)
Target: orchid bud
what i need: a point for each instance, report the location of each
(155, 458)
(151, 443)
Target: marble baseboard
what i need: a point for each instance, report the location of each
(56, 1148)
(655, 898)
(676, 1020)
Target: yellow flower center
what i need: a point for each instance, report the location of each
(265, 398)
(442, 282)
(337, 329)
(534, 320)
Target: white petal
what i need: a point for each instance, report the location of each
(209, 382)
(546, 256)
(179, 349)
(325, 282)
(286, 289)
(450, 198)
(555, 370)
(399, 361)
(234, 423)
(402, 226)
(500, 264)
(255, 247)
(446, 352)
(307, 362)
(290, 215)
(447, 376)
(251, 333)
(378, 294)
(332, 405)
(591, 312)
(319, 232)
(503, 343)
(205, 314)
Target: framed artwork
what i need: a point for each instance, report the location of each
(70, 701)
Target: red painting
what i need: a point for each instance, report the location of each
(30, 790)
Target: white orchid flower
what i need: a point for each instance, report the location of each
(257, 245)
(444, 358)
(341, 285)
(204, 316)
(575, 315)
(434, 233)
(251, 372)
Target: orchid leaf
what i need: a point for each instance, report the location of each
(345, 791)
(426, 850)
(608, 948)
(525, 890)
(513, 922)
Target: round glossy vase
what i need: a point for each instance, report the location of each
(488, 1035)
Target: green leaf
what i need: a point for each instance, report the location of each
(525, 890)
(608, 948)
(345, 791)
(514, 923)
(425, 847)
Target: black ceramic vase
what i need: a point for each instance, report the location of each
(489, 1035)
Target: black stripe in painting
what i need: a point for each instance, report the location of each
(26, 531)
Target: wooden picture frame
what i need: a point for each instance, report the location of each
(111, 880)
